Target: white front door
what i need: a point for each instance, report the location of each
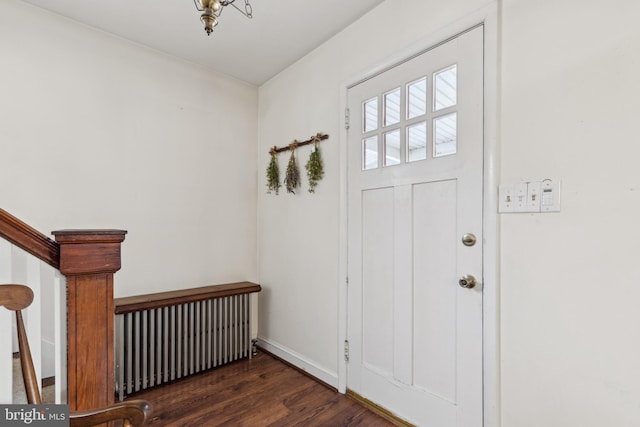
(414, 190)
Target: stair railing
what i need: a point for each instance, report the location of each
(88, 259)
(45, 320)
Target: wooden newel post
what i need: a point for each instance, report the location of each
(89, 258)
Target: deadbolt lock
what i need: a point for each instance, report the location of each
(467, 281)
(469, 239)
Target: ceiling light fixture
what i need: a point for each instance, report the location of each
(212, 9)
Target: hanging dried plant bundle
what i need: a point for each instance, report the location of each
(315, 169)
(292, 175)
(273, 174)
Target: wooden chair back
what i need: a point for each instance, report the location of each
(17, 298)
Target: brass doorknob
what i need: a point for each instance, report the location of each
(467, 281)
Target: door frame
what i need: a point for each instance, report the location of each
(487, 16)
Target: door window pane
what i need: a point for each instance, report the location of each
(370, 115)
(392, 107)
(370, 153)
(444, 135)
(417, 98)
(445, 88)
(417, 142)
(392, 148)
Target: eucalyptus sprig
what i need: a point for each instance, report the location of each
(292, 175)
(315, 168)
(273, 173)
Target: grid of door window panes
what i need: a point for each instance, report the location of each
(414, 122)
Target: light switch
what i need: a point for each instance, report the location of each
(550, 196)
(534, 196)
(506, 198)
(520, 192)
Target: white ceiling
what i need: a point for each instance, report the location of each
(281, 31)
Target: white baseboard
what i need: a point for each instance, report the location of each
(299, 361)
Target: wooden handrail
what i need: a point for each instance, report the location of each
(166, 299)
(29, 239)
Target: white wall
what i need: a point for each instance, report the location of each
(569, 111)
(97, 132)
(570, 108)
(166, 138)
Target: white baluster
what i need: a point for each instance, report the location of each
(60, 335)
(18, 269)
(33, 318)
(6, 363)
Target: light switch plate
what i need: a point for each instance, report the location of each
(534, 190)
(505, 198)
(529, 197)
(550, 196)
(520, 192)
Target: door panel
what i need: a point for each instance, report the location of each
(377, 263)
(434, 241)
(414, 188)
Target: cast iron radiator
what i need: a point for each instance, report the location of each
(159, 345)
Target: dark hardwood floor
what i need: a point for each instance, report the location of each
(262, 391)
